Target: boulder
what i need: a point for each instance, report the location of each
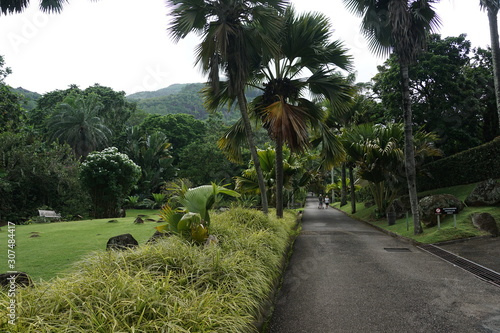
(121, 242)
(486, 193)
(485, 222)
(16, 278)
(429, 204)
(157, 236)
(138, 220)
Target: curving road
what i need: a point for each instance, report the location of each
(345, 276)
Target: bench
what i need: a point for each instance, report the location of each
(49, 214)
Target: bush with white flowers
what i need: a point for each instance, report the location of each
(109, 176)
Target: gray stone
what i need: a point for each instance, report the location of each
(157, 236)
(16, 278)
(486, 193)
(485, 222)
(121, 242)
(429, 204)
(138, 220)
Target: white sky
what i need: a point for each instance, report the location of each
(125, 46)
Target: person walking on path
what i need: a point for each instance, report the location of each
(320, 204)
(327, 202)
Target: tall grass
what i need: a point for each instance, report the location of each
(171, 286)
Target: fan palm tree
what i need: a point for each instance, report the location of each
(492, 7)
(304, 64)
(77, 123)
(229, 44)
(401, 26)
(18, 6)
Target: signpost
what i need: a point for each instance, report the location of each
(448, 211)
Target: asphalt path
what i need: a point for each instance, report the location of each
(345, 276)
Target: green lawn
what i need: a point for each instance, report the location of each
(56, 246)
(404, 227)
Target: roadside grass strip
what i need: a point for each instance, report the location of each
(170, 286)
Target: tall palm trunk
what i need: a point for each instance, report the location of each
(353, 190)
(410, 149)
(495, 53)
(343, 191)
(242, 102)
(279, 178)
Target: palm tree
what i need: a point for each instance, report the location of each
(18, 6)
(229, 44)
(77, 123)
(400, 26)
(305, 63)
(295, 175)
(152, 153)
(491, 7)
(377, 151)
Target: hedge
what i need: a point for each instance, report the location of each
(470, 166)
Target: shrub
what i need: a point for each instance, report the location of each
(109, 177)
(470, 166)
(170, 286)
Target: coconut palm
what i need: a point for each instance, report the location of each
(77, 123)
(229, 44)
(492, 7)
(400, 26)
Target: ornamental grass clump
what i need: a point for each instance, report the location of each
(174, 285)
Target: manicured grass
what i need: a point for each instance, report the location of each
(404, 227)
(44, 250)
(170, 286)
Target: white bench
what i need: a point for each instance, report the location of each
(49, 213)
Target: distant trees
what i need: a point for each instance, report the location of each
(77, 123)
(35, 174)
(180, 130)
(452, 93)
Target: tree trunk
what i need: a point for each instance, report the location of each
(343, 191)
(353, 193)
(279, 178)
(495, 53)
(410, 149)
(242, 102)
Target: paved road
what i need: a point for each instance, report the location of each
(345, 276)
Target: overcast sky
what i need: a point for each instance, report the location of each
(125, 46)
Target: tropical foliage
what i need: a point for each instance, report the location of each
(78, 124)
(109, 177)
(295, 175)
(188, 212)
(378, 153)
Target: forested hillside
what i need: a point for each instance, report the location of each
(29, 97)
(180, 98)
